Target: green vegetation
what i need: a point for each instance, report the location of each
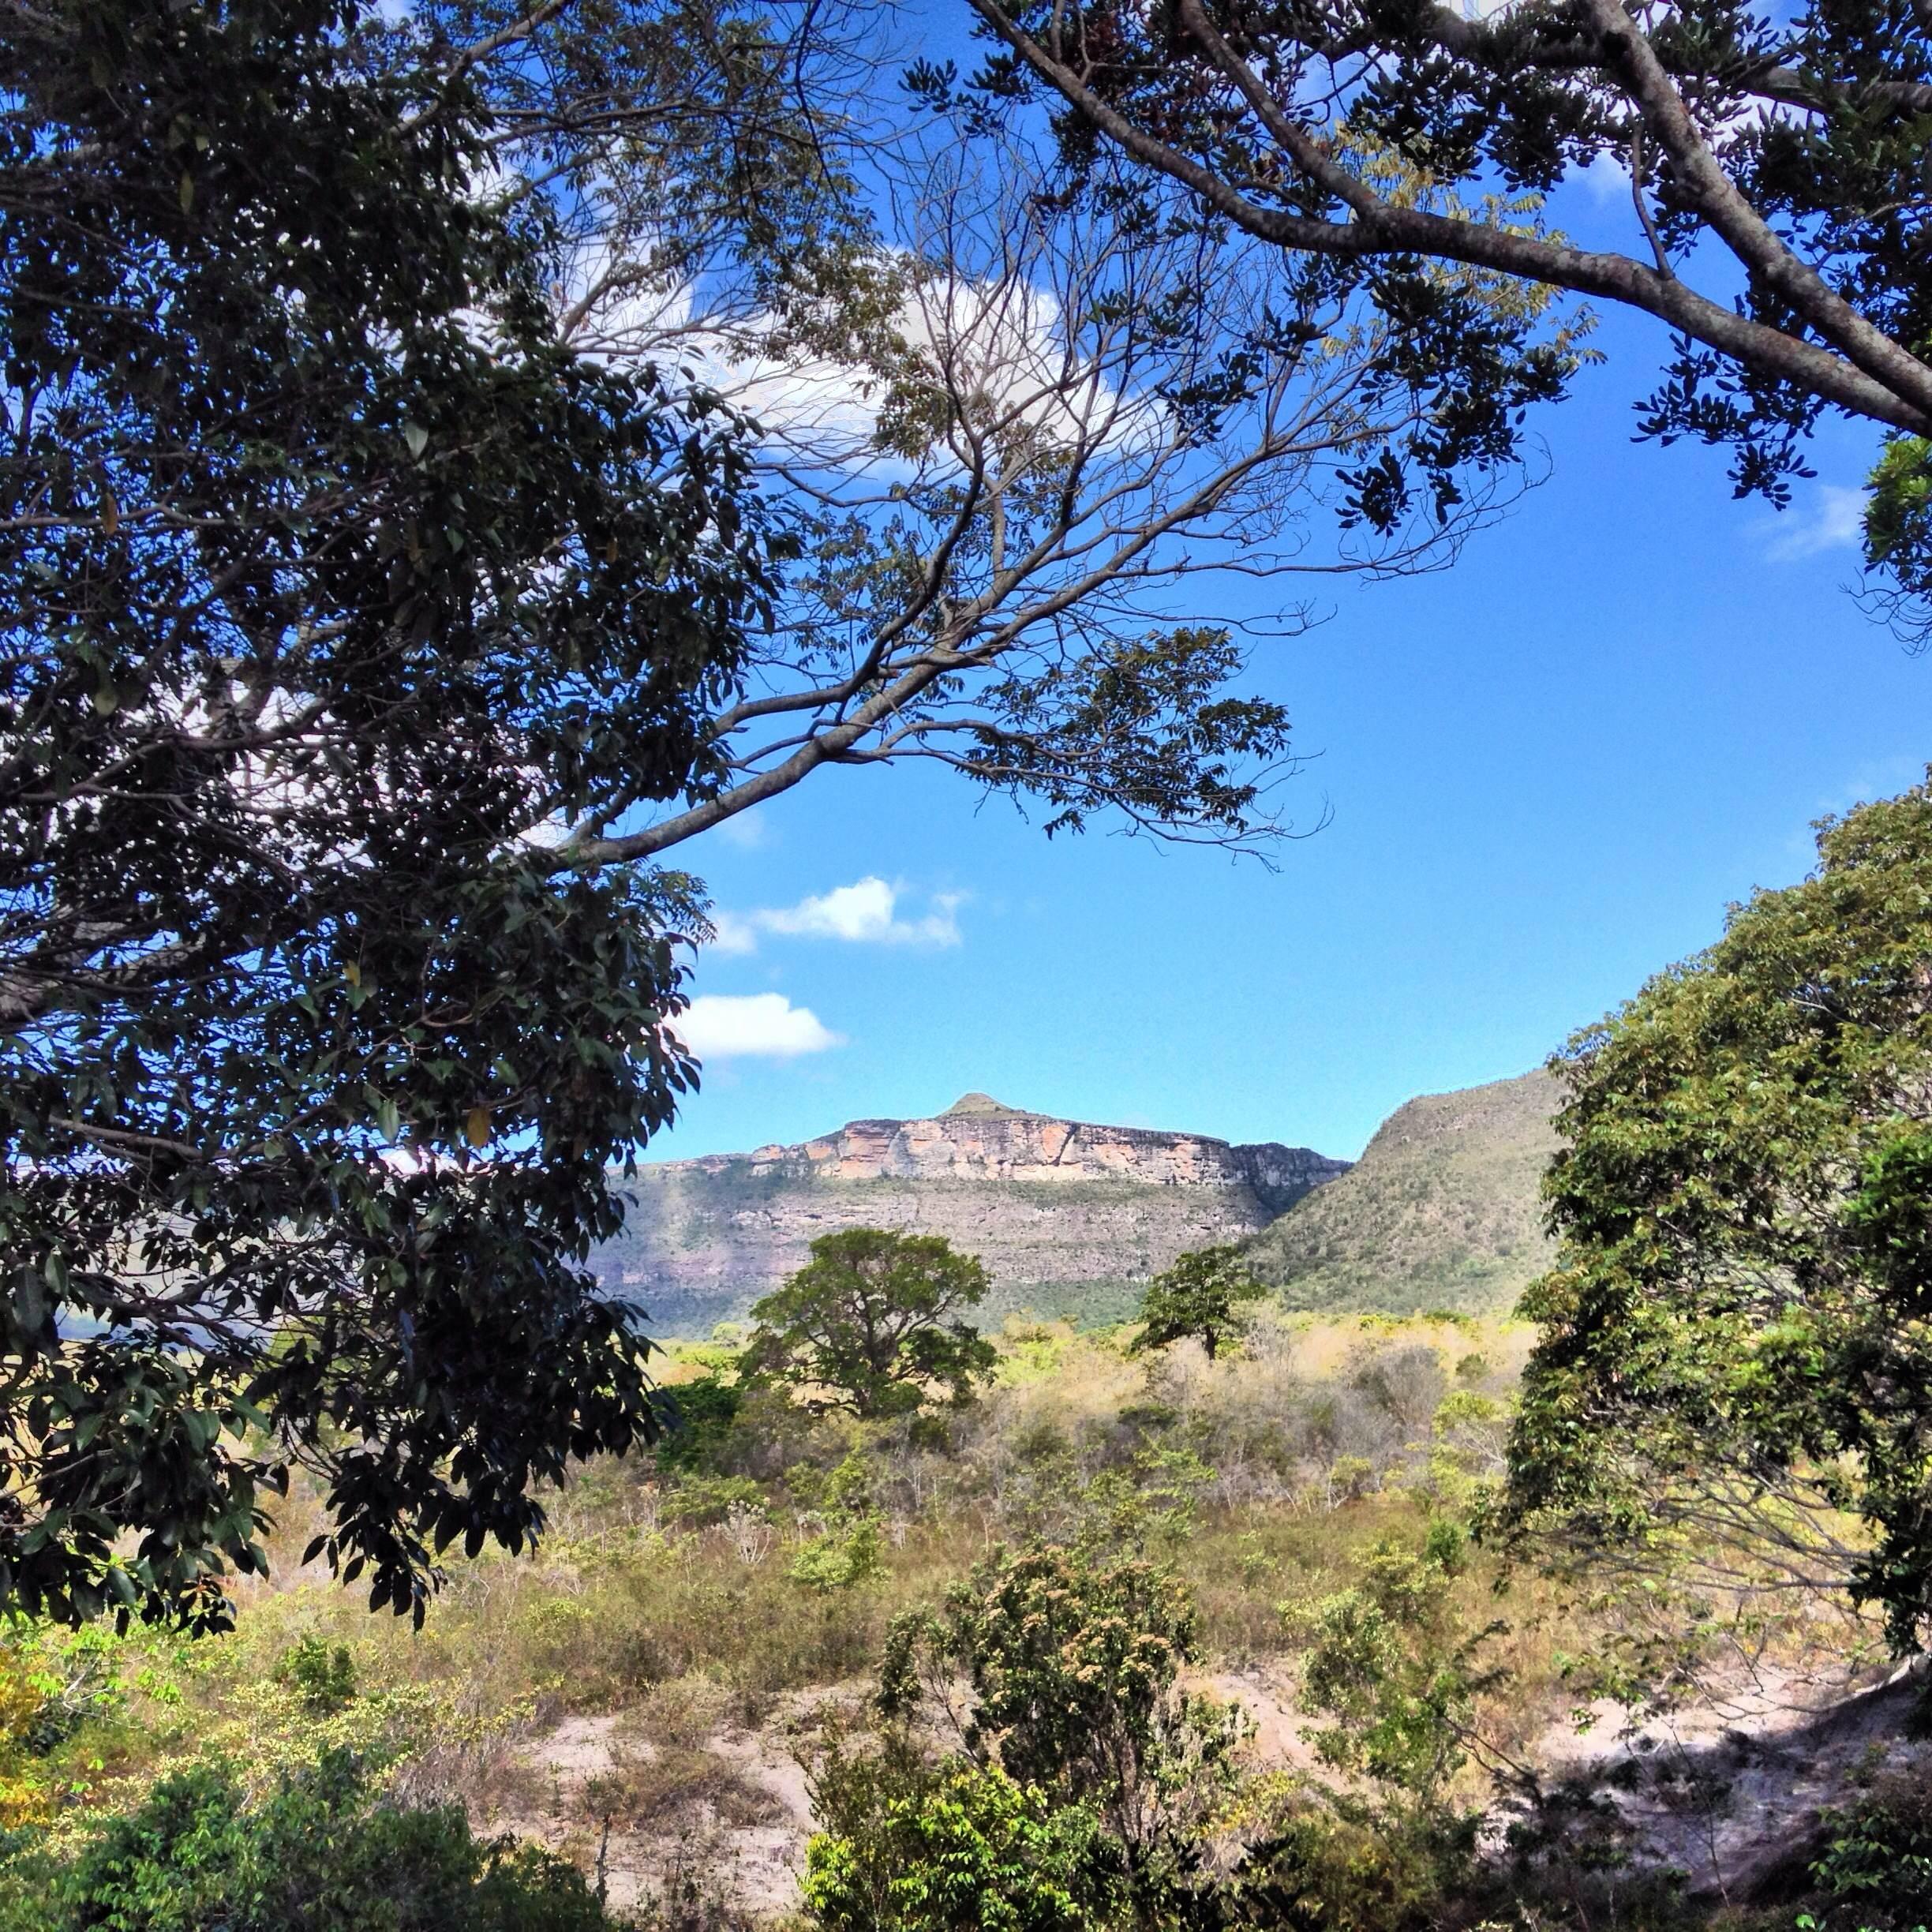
(1721, 113)
(321, 1850)
(1736, 1357)
(351, 574)
(1054, 1652)
(1197, 1299)
(869, 1324)
(1442, 1211)
(909, 1847)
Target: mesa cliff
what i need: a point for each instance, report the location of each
(1071, 1218)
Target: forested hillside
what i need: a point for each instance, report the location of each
(1441, 1211)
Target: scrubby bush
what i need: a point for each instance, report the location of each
(1073, 1659)
(697, 1417)
(322, 1852)
(1876, 1873)
(905, 1846)
(322, 1674)
(851, 1548)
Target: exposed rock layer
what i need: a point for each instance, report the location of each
(1069, 1217)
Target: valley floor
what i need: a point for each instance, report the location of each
(647, 1696)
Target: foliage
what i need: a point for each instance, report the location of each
(1735, 1353)
(851, 1548)
(322, 1675)
(1776, 152)
(1071, 401)
(331, 582)
(24, 1798)
(903, 1846)
(869, 1324)
(1392, 1665)
(1196, 1298)
(1876, 1873)
(1072, 1658)
(696, 1417)
(682, 1628)
(320, 1849)
(1442, 1208)
(698, 1501)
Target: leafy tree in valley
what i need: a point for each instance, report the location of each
(1198, 1298)
(331, 581)
(1736, 1357)
(871, 1324)
(1775, 221)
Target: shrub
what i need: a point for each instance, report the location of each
(1073, 1658)
(959, 1846)
(698, 1418)
(321, 1851)
(1877, 1869)
(323, 1676)
(853, 1548)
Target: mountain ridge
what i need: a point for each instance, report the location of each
(1071, 1217)
(1443, 1210)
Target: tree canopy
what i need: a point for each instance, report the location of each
(871, 1324)
(1197, 1298)
(1734, 1373)
(1776, 218)
(387, 587)
(330, 582)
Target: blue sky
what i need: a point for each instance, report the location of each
(1546, 772)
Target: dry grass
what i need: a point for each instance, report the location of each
(1275, 1470)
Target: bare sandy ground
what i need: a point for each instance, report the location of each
(1726, 1794)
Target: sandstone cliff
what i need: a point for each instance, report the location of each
(1070, 1217)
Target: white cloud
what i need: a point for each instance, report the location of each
(1606, 178)
(864, 913)
(747, 830)
(998, 336)
(1832, 519)
(732, 934)
(717, 1026)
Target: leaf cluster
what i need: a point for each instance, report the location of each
(1198, 1298)
(332, 583)
(1735, 1354)
(871, 1324)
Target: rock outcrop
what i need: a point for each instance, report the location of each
(1069, 1217)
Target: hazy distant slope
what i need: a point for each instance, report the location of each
(1441, 1210)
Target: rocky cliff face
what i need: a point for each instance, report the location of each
(976, 1139)
(1070, 1217)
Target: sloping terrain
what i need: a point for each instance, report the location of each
(1440, 1212)
(1070, 1218)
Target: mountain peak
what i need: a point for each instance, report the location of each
(981, 1107)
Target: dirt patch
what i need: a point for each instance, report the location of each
(1729, 1793)
(681, 1800)
(676, 1801)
